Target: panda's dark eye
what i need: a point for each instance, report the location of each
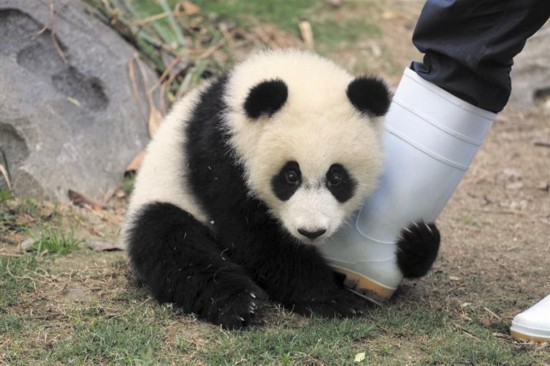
(287, 180)
(335, 179)
(340, 183)
(292, 177)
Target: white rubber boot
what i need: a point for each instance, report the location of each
(430, 139)
(534, 323)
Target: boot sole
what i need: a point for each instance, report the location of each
(365, 287)
(526, 337)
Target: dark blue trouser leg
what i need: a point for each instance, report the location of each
(469, 45)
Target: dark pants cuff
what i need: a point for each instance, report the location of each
(469, 45)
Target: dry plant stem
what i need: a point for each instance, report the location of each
(135, 90)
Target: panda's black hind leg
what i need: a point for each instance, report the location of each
(176, 257)
(417, 249)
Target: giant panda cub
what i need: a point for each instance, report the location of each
(246, 176)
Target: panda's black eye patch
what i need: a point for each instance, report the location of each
(287, 180)
(340, 183)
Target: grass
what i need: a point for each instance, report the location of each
(53, 240)
(118, 323)
(333, 33)
(446, 339)
(5, 196)
(295, 341)
(285, 14)
(15, 279)
(132, 339)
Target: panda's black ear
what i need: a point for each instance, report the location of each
(369, 95)
(266, 97)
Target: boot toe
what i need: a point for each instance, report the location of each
(533, 324)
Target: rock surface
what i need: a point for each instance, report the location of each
(68, 116)
(531, 72)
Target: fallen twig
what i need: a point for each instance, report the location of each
(81, 200)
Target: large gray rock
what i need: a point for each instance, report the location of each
(65, 125)
(531, 71)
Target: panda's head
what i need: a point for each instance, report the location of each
(307, 134)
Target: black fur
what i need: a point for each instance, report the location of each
(226, 270)
(214, 271)
(340, 183)
(417, 249)
(369, 95)
(282, 186)
(178, 259)
(266, 98)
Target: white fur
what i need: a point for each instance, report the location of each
(312, 209)
(317, 127)
(160, 177)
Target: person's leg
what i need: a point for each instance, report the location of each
(430, 139)
(469, 45)
(441, 112)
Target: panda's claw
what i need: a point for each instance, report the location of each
(429, 228)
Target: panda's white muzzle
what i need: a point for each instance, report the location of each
(312, 214)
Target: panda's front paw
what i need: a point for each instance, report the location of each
(342, 304)
(233, 301)
(417, 249)
(239, 310)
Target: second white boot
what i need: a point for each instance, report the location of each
(430, 139)
(534, 323)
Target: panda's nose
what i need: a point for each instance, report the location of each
(312, 234)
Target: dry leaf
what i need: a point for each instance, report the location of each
(4, 169)
(392, 15)
(155, 118)
(190, 9)
(174, 66)
(81, 200)
(103, 246)
(135, 163)
(359, 357)
(6, 176)
(27, 245)
(307, 34)
(133, 81)
(514, 185)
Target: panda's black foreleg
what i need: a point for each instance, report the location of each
(177, 258)
(297, 276)
(417, 249)
(327, 298)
